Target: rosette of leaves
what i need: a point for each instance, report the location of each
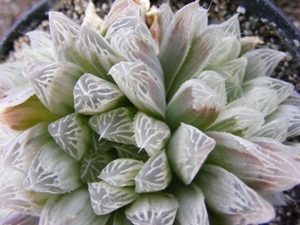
(148, 117)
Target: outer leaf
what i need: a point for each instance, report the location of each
(72, 208)
(141, 87)
(153, 208)
(18, 218)
(150, 134)
(15, 198)
(283, 88)
(121, 172)
(194, 103)
(93, 95)
(92, 164)
(230, 200)
(52, 171)
(155, 175)
(192, 210)
(187, 151)
(261, 62)
(238, 120)
(53, 84)
(265, 171)
(72, 134)
(106, 198)
(20, 152)
(115, 125)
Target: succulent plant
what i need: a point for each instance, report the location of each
(145, 117)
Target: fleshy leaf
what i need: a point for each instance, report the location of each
(15, 198)
(72, 134)
(233, 92)
(115, 125)
(52, 171)
(292, 113)
(261, 98)
(120, 218)
(187, 151)
(93, 95)
(121, 172)
(12, 217)
(132, 152)
(248, 44)
(150, 134)
(96, 50)
(92, 164)
(53, 84)
(17, 108)
(229, 200)
(153, 208)
(238, 120)
(203, 48)
(106, 198)
(261, 62)
(267, 171)
(194, 103)
(141, 87)
(155, 175)
(19, 153)
(192, 210)
(283, 88)
(72, 208)
(64, 32)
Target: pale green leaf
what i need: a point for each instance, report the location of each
(263, 170)
(72, 134)
(71, 209)
(155, 174)
(150, 134)
(229, 200)
(115, 125)
(53, 84)
(132, 152)
(106, 198)
(187, 151)
(121, 172)
(52, 171)
(141, 87)
(194, 103)
(93, 95)
(233, 92)
(153, 208)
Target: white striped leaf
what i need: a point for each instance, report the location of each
(132, 152)
(93, 95)
(72, 208)
(261, 62)
(155, 175)
(115, 125)
(150, 134)
(141, 87)
(106, 198)
(229, 200)
(18, 154)
(263, 170)
(53, 83)
(187, 151)
(153, 208)
(292, 113)
(215, 81)
(293, 99)
(238, 120)
(263, 99)
(15, 198)
(11, 217)
(282, 88)
(92, 164)
(233, 92)
(121, 172)
(96, 50)
(52, 171)
(276, 129)
(194, 103)
(72, 134)
(64, 31)
(192, 210)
